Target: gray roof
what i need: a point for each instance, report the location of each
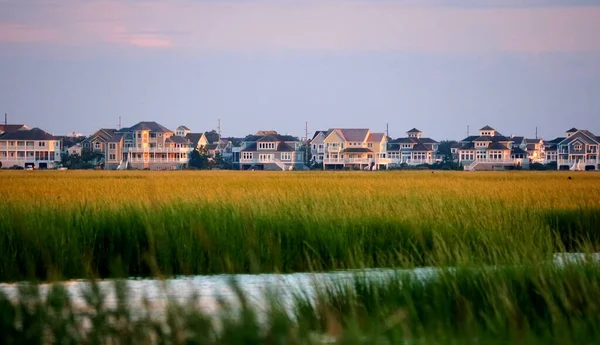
(194, 138)
(456, 145)
(318, 132)
(354, 134)
(517, 139)
(572, 130)
(177, 140)
(427, 141)
(532, 141)
(147, 126)
(184, 127)
(497, 146)
(484, 138)
(103, 134)
(552, 147)
(414, 130)
(554, 141)
(393, 147)
(285, 147)
(31, 134)
(115, 138)
(517, 150)
(404, 141)
(530, 147)
(356, 150)
(470, 138)
(212, 137)
(420, 147)
(487, 128)
(11, 128)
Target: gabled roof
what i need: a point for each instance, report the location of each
(115, 138)
(530, 147)
(177, 140)
(356, 150)
(262, 133)
(353, 134)
(414, 130)
(468, 146)
(532, 141)
(317, 133)
(249, 147)
(103, 134)
(517, 139)
(212, 137)
(583, 135)
(375, 137)
(572, 130)
(393, 147)
(31, 134)
(194, 138)
(487, 128)
(497, 146)
(12, 128)
(151, 126)
(211, 147)
(184, 128)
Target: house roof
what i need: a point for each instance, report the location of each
(497, 146)
(552, 147)
(317, 133)
(356, 150)
(177, 140)
(211, 147)
(269, 138)
(517, 139)
(115, 138)
(517, 150)
(427, 141)
(147, 126)
(572, 130)
(194, 138)
(375, 137)
(456, 145)
(12, 128)
(484, 138)
(487, 128)
(353, 134)
(184, 128)
(532, 141)
(470, 138)
(467, 146)
(103, 134)
(404, 141)
(262, 133)
(589, 134)
(582, 135)
(393, 147)
(414, 130)
(212, 137)
(420, 147)
(530, 147)
(249, 147)
(285, 147)
(31, 134)
(554, 141)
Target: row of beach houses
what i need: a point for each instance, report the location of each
(149, 145)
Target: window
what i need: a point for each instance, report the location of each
(111, 157)
(97, 145)
(40, 144)
(370, 145)
(139, 135)
(152, 135)
(266, 146)
(577, 147)
(286, 156)
(11, 143)
(247, 155)
(160, 135)
(265, 157)
(112, 146)
(20, 143)
(52, 155)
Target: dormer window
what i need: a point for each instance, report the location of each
(266, 146)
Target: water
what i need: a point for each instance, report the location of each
(209, 289)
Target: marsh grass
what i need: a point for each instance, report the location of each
(61, 225)
(527, 304)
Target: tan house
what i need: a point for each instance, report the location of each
(147, 145)
(489, 150)
(356, 148)
(29, 148)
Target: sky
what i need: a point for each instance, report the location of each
(439, 65)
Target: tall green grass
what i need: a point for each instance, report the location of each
(60, 225)
(526, 304)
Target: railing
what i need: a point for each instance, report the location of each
(577, 161)
(158, 160)
(334, 149)
(348, 160)
(157, 150)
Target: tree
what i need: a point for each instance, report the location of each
(198, 160)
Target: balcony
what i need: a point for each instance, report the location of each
(157, 150)
(158, 160)
(575, 161)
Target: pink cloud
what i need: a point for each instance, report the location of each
(327, 25)
(11, 32)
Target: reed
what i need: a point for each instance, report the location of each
(69, 224)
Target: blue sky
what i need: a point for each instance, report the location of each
(437, 65)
